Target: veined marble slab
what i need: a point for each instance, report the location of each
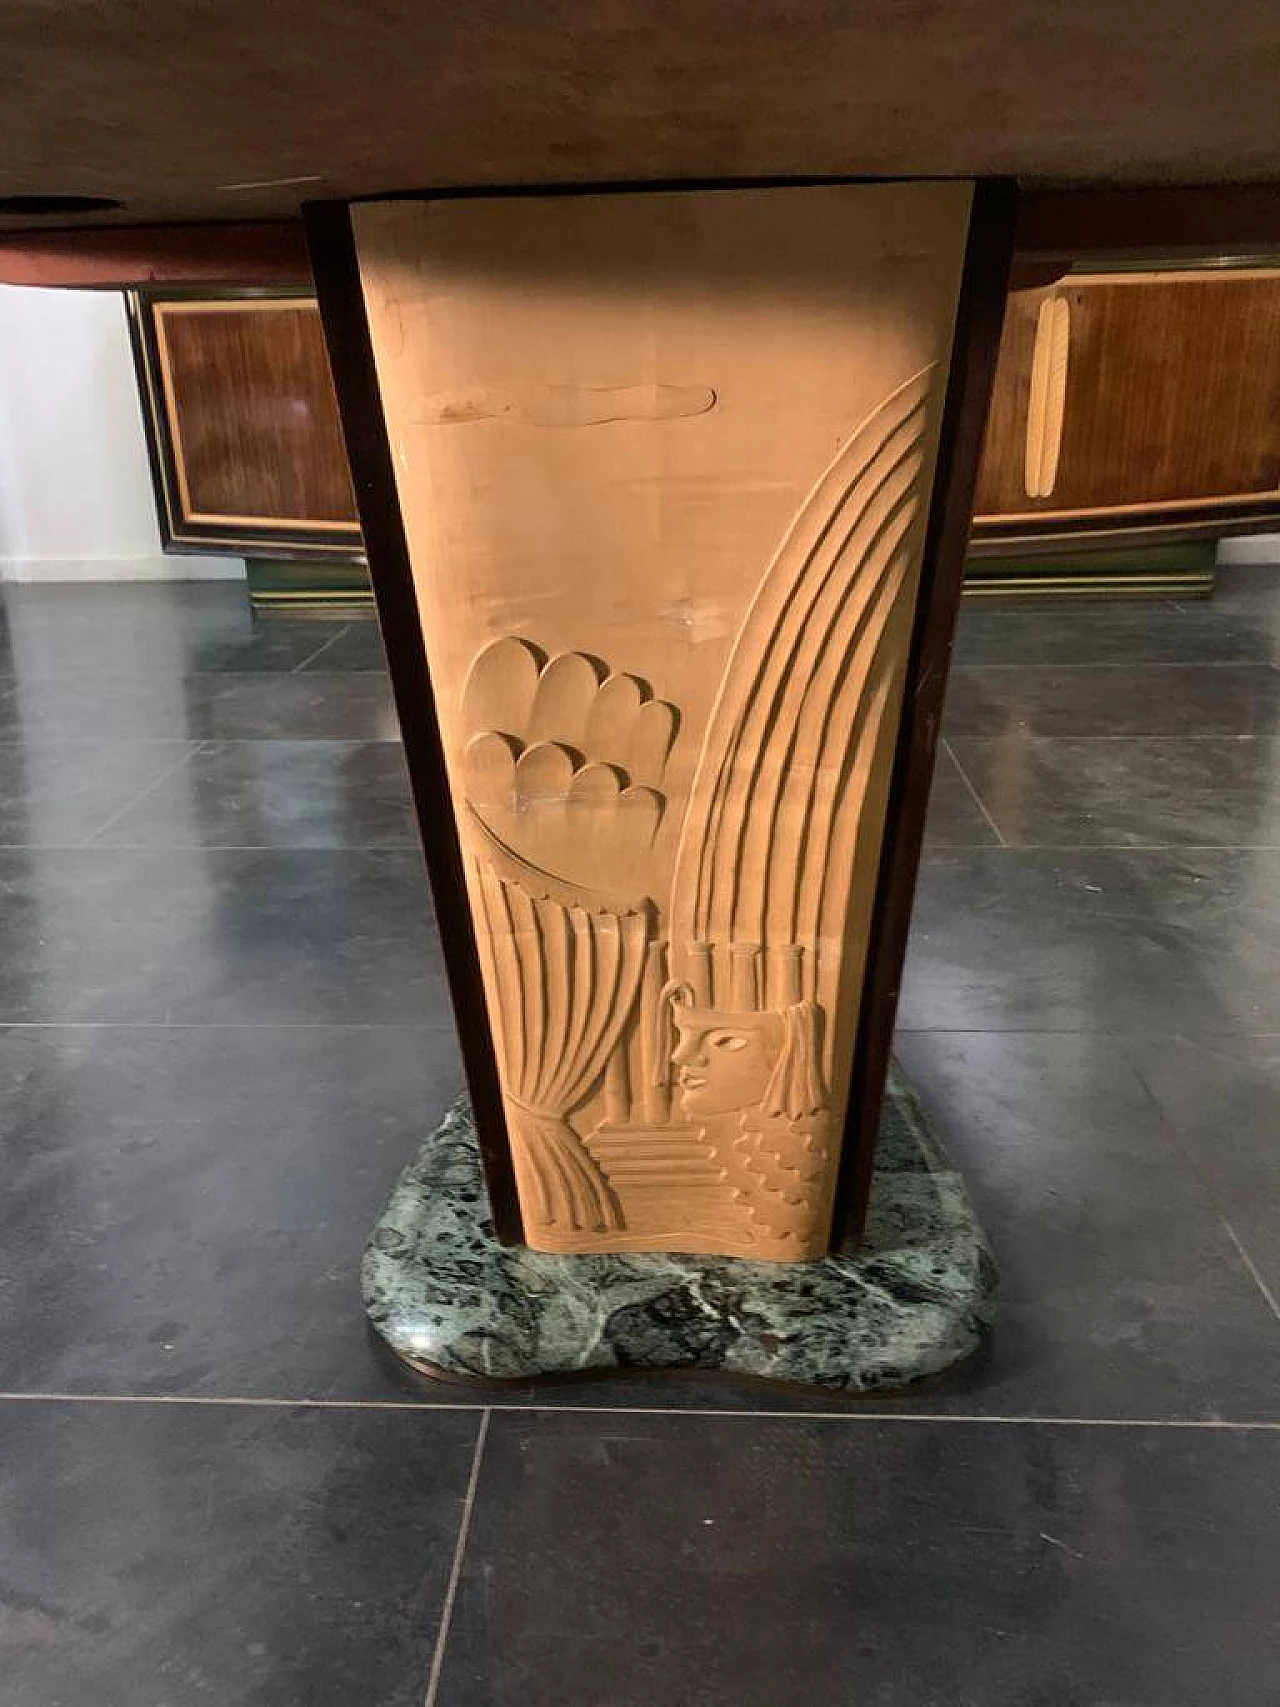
(915, 1299)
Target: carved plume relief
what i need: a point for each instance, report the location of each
(665, 960)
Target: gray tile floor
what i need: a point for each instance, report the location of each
(223, 1027)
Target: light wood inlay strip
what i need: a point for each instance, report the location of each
(1224, 501)
(237, 305)
(215, 518)
(1047, 406)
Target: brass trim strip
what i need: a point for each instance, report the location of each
(1198, 582)
(235, 305)
(1173, 274)
(215, 518)
(319, 598)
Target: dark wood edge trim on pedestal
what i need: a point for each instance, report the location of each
(337, 279)
(979, 318)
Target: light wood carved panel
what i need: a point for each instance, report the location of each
(664, 462)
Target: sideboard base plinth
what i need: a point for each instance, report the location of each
(451, 1302)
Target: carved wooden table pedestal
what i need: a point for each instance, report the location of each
(665, 496)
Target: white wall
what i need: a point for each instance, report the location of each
(1251, 548)
(75, 488)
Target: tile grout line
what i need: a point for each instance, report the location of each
(1194, 1035)
(455, 1570)
(859, 1411)
(312, 656)
(184, 763)
(1209, 1187)
(1109, 847)
(977, 798)
(1027, 736)
(444, 1026)
(908, 1028)
(1024, 734)
(947, 848)
(273, 740)
(1273, 1304)
(205, 847)
(972, 666)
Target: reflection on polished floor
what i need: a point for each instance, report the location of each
(223, 1027)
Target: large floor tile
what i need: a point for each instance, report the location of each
(1210, 791)
(308, 706)
(1250, 593)
(1221, 1098)
(1121, 1293)
(277, 641)
(956, 819)
(721, 1562)
(252, 794)
(175, 1556)
(1075, 630)
(213, 705)
(305, 934)
(185, 1208)
(358, 647)
(58, 793)
(1135, 939)
(1113, 699)
(59, 632)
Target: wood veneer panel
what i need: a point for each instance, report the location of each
(269, 252)
(664, 463)
(252, 415)
(1172, 395)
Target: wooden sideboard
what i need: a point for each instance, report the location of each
(1133, 409)
(1135, 421)
(246, 446)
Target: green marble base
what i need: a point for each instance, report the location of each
(452, 1302)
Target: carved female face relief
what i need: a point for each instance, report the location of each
(724, 1062)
